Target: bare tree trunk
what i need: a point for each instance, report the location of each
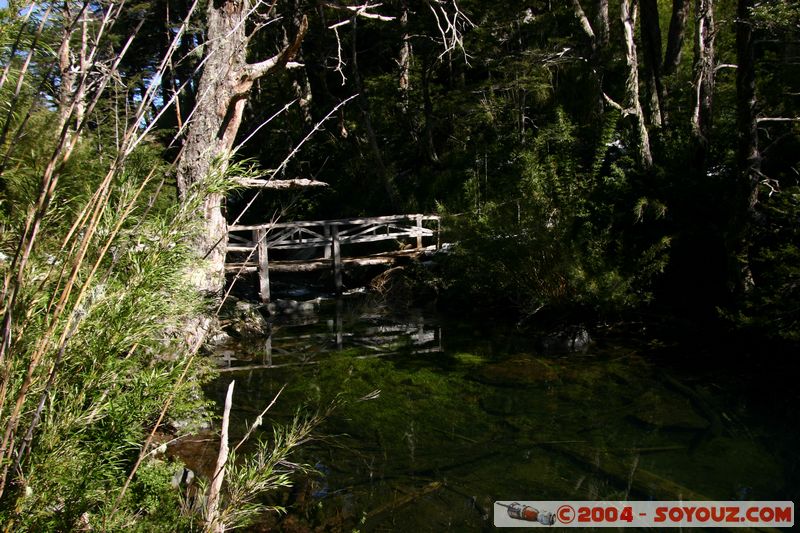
(603, 31)
(703, 76)
(404, 61)
(748, 154)
(628, 12)
(430, 145)
(595, 41)
(677, 29)
(583, 20)
(651, 39)
(300, 84)
(221, 97)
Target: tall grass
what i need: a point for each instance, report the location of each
(95, 260)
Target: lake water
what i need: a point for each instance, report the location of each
(438, 418)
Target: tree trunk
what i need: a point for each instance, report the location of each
(583, 20)
(703, 84)
(628, 12)
(300, 83)
(221, 97)
(404, 61)
(210, 137)
(677, 29)
(430, 145)
(595, 41)
(651, 40)
(603, 31)
(748, 156)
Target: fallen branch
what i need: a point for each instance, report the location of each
(642, 482)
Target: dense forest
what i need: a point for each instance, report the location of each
(591, 159)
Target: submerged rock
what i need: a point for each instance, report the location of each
(244, 319)
(664, 410)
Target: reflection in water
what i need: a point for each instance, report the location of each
(438, 420)
(303, 339)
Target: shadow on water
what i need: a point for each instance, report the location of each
(439, 419)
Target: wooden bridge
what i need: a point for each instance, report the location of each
(322, 242)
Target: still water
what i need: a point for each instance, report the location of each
(436, 419)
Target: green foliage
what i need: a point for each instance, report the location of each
(117, 366)
(153, 504)
(553, 244)
(771, 305)
(263, 471)
(776, 14)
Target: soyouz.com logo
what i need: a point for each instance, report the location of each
(644, 514)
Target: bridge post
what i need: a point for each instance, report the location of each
(419, 232)
(260, 236)
(326, 231)
(337, 258)
(438, 233)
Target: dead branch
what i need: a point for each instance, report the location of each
(295, 183)
(212, 499)
(777, 119)
(254, 71)
(451, 26)
(625, 111)
(362, 11)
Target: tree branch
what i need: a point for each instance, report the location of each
(777, 119)
(625, 112)
(360, 11)
(254, 71)
(296, 183)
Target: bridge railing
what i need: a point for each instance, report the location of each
(326, 235)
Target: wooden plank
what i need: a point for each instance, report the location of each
(311, 266)
(360, 229)
(284, 235)
(419, 231)
(316, 243)
(260, 237)
(237, 238)
(294, 245)
(239, 267)
(340, 222)
(321, 264)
